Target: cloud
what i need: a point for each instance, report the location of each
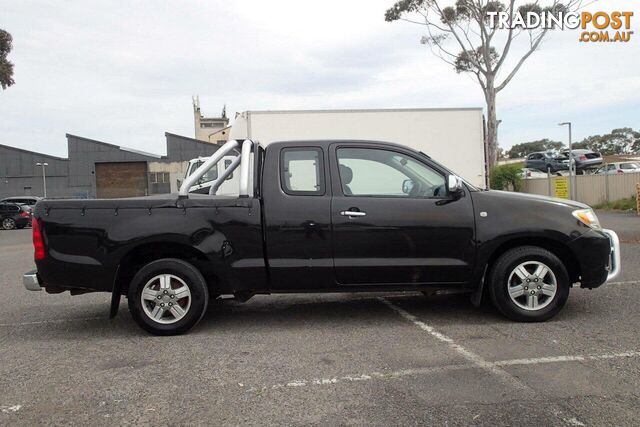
(124, 72)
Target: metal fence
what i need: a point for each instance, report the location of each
(591, 189)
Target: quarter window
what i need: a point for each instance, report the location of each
(302, 171)
(375, 172)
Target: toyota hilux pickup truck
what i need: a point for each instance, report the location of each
(321, 216)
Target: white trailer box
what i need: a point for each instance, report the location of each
(451, 136)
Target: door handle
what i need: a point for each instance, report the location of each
(352, 214)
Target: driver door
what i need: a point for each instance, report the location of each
(393, 221)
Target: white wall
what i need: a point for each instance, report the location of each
(453, 137)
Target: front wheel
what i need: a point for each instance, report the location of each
(529, 284)
(8, 224)
(168, 297)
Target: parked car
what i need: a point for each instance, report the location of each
(321, 216)
(13, 215)
(584, 159)
(547, 161)
(619, 167)
(25, 200)
(529, 173)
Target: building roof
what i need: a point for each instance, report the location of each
(8, 147)
(117, 147)
(363, 110)
(186, 138)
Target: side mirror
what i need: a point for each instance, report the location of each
(407, 186)
(179, 183)
(454, 184)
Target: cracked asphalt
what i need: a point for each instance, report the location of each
(333, 359)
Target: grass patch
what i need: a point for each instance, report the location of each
(623, 204)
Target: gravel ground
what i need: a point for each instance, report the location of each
(375, 359)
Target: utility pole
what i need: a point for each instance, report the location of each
(44, 177)
(572, 192)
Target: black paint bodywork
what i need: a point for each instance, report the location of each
(276, 242)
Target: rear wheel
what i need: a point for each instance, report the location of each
(529, 284)
(8, 224)
(168, 297)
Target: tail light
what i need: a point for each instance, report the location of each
(528, 174)
(24, 214)
(582, 157)
(38, 242)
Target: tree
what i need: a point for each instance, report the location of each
(467, 26)
(6, 66)
(506, 177)
(619, 141)
(525, 148)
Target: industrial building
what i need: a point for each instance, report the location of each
(98, 169)
(453, 136)
(210, 129)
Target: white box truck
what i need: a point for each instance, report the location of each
(451, 136)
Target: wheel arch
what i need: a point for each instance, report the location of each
(562, 251)
(559, 249)
(144, 253)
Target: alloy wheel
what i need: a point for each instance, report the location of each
(166, 298)
(532, 285)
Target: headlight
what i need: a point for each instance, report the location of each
(587, 217)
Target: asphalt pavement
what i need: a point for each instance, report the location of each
(374, 359)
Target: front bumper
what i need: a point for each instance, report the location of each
(615, 266)
(31, 282)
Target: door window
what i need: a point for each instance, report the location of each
(302, 171)
(629, 166)
(374, 172)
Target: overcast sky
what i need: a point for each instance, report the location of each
(124, 71)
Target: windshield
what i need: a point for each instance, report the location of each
(211, 175)
(450, 172)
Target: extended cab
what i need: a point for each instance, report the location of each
(321, 216)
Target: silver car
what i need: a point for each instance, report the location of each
(619, 167)
(584, 159)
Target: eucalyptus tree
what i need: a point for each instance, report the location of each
(6, 66)
(478, 36)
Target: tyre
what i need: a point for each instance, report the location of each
(168, 297)
(529, 284)
(8, 224)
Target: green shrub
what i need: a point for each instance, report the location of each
(506, 177)
(622, 204)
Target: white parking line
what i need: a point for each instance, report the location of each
(10, 409)
(556, 359)
(480, 362)
(624, 282)
(467, 354)
(446, 368)
(41, 322)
